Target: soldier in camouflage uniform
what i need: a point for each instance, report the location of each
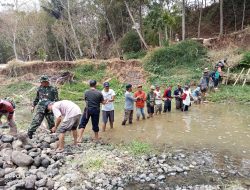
(44, 93)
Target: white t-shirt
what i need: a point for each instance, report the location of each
(66, 109)
(158, 98)
(108, 96)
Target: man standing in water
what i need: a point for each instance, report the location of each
(44, 93)
(186, 98)
(151, 101)
(167, 97)
(178, 94)
(129, 105)
(93, 99)
(108, 108)
(158, 100)
(204, 83)
(140, 95)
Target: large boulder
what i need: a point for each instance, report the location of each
(21, 159)
(30, 182)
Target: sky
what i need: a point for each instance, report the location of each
(25, 5)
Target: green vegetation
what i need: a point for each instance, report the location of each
(135, 55)
(18, 90)
(245, 62)
(94, 164)
(231, 94)
(82, 74)
(182, 63)
(139, 148)
(130, 42)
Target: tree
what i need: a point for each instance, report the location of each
(221, 17)
(136, 28)
(199, 25)
(243, 15)
(183, 20)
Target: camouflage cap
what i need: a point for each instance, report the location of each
(44, 78)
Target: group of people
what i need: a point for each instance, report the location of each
(69, 116)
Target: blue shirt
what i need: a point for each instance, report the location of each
(196, 92)
(129, 101)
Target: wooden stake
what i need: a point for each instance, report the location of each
(228, 72)
(245, 80)
(238, 77)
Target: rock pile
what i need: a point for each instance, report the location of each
(29, 165)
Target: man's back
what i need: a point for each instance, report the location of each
(93, 98)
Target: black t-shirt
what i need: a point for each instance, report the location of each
(93, 98)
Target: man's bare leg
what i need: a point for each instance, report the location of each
(61, 141)
(74, 133)
(104, 127)
(80, 135)
(111, 125)
(96, 136)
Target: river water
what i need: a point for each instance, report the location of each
(220, 127)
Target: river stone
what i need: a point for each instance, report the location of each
(62, 188)
(41, 182)
(50, 184)
(161, 177)
(2, 182)
(6, 155)
(47, 139)
(2, 173)
(143, 176)
(45, 162)
(30, 182)
(21, 159)
(17, 184)
(28, 147)
(10, 176)
(21, 171)
(37, 161)
(17, 144)
(1, 162)
(34, 154)
(7, 138)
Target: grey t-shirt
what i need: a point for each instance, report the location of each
(129, 101)
(93, 98)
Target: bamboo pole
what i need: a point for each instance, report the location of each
(245, 78)
(228, 72)
(238, 77)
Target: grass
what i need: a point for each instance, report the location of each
(135, 55)
(18, 91)
(231, 94)
(138, 148)
(94, 164)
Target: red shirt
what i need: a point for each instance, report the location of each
(167, 94)
(6, 107)
(140, 102)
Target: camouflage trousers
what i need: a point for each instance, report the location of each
(38, 119)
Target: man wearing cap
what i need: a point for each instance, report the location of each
(93, 99)
(68, 115)
(45, 93)
(178, 94)
(129, 105)
(151, 101)
(7, 109)
(140, 95)
(108, 108)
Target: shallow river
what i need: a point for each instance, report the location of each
(220, 127)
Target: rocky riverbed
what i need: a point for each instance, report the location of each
(33, 164)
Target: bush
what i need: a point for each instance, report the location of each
(245, 60)
(135, 55)
(130, 42)
(182, 62)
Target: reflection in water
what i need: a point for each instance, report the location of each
(187, 119)
(224, 127)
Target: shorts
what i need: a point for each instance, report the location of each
(150, 109)
(158, 108)
(70, 124)
(94, 113)
(108, 115)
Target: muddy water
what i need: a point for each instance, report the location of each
(219, 127)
